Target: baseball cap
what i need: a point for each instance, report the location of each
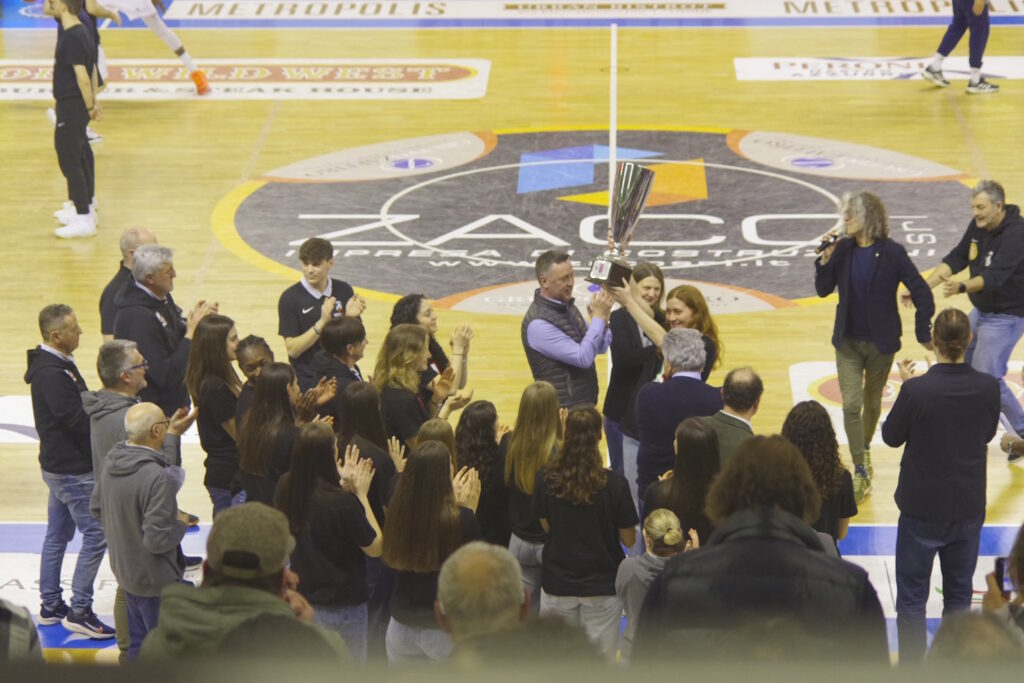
(249, 541)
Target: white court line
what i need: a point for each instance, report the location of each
(105, 24)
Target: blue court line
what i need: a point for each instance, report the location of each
(881, 540)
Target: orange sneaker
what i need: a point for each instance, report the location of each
(202, 84)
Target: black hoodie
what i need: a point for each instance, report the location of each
(998, 257)
(61, 422)
(326, 365)
(159, 330)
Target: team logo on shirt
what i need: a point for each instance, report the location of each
(465, 215)
(973, 252)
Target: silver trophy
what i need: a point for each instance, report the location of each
(629, 194)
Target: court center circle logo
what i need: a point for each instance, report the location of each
(452, 215)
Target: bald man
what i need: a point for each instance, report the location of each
(480, 592)
(131, 239)
(137, 503)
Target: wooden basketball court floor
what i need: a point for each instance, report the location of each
(170, 164)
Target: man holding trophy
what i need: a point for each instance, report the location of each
(560, 346)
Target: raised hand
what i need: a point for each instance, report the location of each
(460, 399)
(461, 336)
(327, 309)
(355, 306)
(601, 306)
(467, 488)
(502, 431)
(181, 421)
(563, 415)
(443, 385)
(347, 465)
(396, 449)
(362, 476)
(325, 390)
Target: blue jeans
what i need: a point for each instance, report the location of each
(411, 645)
(995, 335)
(917, 542)
(964, 18)
(142, 617)
(614, 436)
(68, 509)
(347, 620)
(223, 499)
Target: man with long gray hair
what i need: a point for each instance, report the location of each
(148, 316)
(660, 407)
(992, 250)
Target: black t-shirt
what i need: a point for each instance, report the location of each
(383, 476)
(657, 496)
(328, 554)
(217, 405)
(836, 507)
(108, 309)
(297, 311)
(244, 403)
(412, 602)
(492, 510)
(710, 356)
(582, 553)
(403, 412)
(74, 47)
(261, 488)
(438, 363)
(522, 517)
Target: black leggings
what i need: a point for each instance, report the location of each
(74, 154)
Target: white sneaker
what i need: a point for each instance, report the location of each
(51, 116)
(68, 211)
(79, 226)
(93, 136)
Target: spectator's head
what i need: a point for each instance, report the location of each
(71, 6)
(988, 202)
(809, 428)
(648, 283)
(403, 356)
(249, 545)
(214, 346)
(764, 472)
(576, 471)
(59, 328)
(476, 443)
(359, 415)
(951, 334)
(273, 408)
(535, 437)
(683, 349)
(317, 257)
(663, 533)
(697, 464)
(976, 638)
(313, 466)
(121, 367)
(153, 268)
(555, 275)
(345, 339)
(253, 353)
(864, 213)
(436, 429)
(480, 591)
(741, 392)
(415, 309)
(146, 425)
(423, 526)
(132, 239)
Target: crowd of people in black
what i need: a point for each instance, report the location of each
(358, 502)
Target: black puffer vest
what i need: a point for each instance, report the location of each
(575, 386)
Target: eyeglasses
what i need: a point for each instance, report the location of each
(144, 365)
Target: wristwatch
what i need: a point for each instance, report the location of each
(962, 288)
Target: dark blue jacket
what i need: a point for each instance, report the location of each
(659, 410)
(946, 417)
(892, 266)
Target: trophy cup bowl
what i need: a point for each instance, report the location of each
(629, 194)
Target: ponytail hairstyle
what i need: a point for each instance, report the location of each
(665, 532)
(952, 333)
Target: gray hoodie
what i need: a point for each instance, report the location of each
(136, 502)
(631, 583)
(106, 411)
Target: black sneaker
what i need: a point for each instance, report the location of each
(982, 87)
(49, 616)
(193, 561)
(935, 76)
(1013, 457)
(88, 624)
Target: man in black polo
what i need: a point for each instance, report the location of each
(131, 239)
(74, 88)
(148, 316)
(308, 305)
(560, 346)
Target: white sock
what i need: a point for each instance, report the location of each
(187, 61)
(156, 24)
(937, 62)
(975, 76)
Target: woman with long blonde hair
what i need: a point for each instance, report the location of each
(536, 435)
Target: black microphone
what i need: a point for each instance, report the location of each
(827, 241)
